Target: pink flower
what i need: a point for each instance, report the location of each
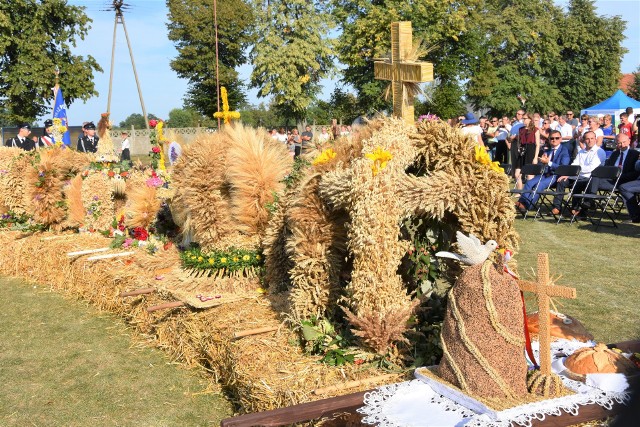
(153, 123)
(127, 243)
(155, 149)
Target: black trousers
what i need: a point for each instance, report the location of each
(126, 155)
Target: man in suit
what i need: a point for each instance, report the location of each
(553, 157)
(623, 157)
(89, 142)
(628, 191)
(21, 140)
(588, 158)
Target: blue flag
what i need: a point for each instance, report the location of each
(60, 112)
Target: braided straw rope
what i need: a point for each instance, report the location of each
(474, 350)
(493, 314)
(454, 366)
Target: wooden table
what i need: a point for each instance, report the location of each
(329, 408)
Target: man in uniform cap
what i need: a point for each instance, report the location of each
(89, 142)
(21, 140)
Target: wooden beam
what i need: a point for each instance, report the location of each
(256, 331)
(87, 252)
(166, 305)
(109, 256)
(142, 291)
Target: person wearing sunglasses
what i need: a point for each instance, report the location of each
(552, 157)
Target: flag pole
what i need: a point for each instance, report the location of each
(55, 90)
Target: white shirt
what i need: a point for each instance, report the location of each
(474, 130)
(323, 137)
(125, 144)
(281, 137)
(566, 131)
(589, 160)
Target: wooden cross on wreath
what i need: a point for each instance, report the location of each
(544, 290)
(400, 70)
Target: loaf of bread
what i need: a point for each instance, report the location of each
(597, 360)
(562, 326)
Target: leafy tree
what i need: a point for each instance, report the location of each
(36, 38)
(259, 116)
(520, 41)
(292, 53)
(191, 29)
(184, 118)
(588, 69)
(365, 35)
(136, 120)
(634, 89)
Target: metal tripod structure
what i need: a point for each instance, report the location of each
(118, 6)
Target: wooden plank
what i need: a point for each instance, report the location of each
(142, 291)
(256, 331)
(298, 413)
(166, 305)
(87, 252)
(350, 403)
(109, 256)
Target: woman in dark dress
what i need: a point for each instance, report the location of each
(529, 148)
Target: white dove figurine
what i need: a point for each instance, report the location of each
(473, 251)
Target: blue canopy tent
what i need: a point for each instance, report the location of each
(615, 105)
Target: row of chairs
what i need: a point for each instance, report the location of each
(607, 203)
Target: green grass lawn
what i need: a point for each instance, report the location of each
(603, 266)
(64, 364)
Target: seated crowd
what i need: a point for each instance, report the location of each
(558, 140)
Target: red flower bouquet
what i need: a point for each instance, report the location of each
(140, 233)
(153, 123)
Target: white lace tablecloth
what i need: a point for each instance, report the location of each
(416, 404)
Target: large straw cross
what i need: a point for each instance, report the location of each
(544, 290)
(400, 70)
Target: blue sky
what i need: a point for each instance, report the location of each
(163, 90)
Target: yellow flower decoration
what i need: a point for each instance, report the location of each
(57, 122)
(379, 157)
(161, 139)
(246, 258)
(261, 291)
(193, 257)
(223, 260)
(258, 257)
(324, 157)
(235, 259)
(482, 157)
(211, 261)
(200, 258)
(225, 114)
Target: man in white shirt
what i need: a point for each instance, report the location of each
(588, 159)
(565, 129)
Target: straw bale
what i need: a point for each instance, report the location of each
(255, 167)
(258, 372)
(97, 199)
(13, 194)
